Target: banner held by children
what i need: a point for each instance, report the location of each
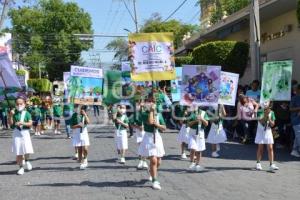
(228, 88)
(152, 56)
(276, 81)
(200, 85)
(176, 84)
(85, 85)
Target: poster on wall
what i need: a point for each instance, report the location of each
(84, 86)
(151, 56)
(176, 85)
(276, 81)
(228, 88)
(200, 85)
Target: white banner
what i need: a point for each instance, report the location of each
(228, 88)
(88, 72)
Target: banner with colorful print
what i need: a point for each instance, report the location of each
(151, 56)
(176, 85)
(200, 85)
(228, 88)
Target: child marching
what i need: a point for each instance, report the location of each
(152, 145)
(217, 135)
(57, 113)
(121, 123)
(36, 118)
(197, 122)
(21, 122)
(80, 138)
(183, 136)
(264, 136)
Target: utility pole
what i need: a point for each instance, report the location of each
(135, 17)
(4, 12)
(255, 39)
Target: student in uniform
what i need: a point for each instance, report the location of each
(36, 118)
(20, 121)
(217, 135)
(67, 114)
(121, 123)
(183, 136)
(197, 122)
(81, 141)
(152, 145)
(57, 113)
(264, 135)
(4, 113)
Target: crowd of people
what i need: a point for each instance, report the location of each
(248, 122)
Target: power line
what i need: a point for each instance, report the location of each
(175, 11)
(192, 19)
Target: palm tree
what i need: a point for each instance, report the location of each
(73, 87)
(120, 46)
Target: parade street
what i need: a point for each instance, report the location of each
(56, 176)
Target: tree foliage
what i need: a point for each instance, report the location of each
(183, 60)
(120, 46)
(44, 33)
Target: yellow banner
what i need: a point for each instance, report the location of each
(151, 56)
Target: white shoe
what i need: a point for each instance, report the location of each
(258, 166)
(122, 160)
(85, 162)
(42, 132)
(58, 132)
(198, 168)
(82, 166)
(183, 156)
(140, 165)
(28, 166)
(20, 171)
(273, 167)
(215, 154)
(38, 133)
(192, 166)
(75, 157)
(55, 132)
(295, 153)
(145, 165)
(156, 185)
(150, 179)
(218, 147)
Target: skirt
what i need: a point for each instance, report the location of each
(22, 142)
(216, 134)
(263, 136)
(121, 139)
(147, 148)
(139, 135)
(183, 136)
(197, 142)
(80, 139)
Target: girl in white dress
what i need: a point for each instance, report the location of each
(20, 121)
(81, 141)
(183, 136)
(264, 135)
(197, 122)
(217, 134)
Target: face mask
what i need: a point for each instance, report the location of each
(20, 108)
(35, 106)
(123, 111)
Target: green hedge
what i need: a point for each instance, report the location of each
(231, 55)
(40, 85)
(20, 72)
(183, 60)
(298, 11)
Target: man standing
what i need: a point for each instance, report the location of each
(295, 118)
(254, 93)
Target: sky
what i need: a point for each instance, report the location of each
(111, 17)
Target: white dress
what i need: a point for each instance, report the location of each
(22, 142)
(121, 139)
(148, 148)
(139, 135)
(263, 136)
(197, 142)
(216, 134)
(80, 139)
(183, 136)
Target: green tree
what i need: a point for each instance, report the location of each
(120, 46)
(44, 34)
(156, 24)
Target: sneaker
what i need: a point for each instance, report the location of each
(145, 165)
(122, 160)
(258, 166)
(218, 147)
(183, 156)
(295, 153)
(42, 132)
(85, 161)
(150, 179)
(192, 166)
(198, 168)
(20, 171)
(28, 166)
(75, 156)
(38, 133)
(58, 132)
(140, 165)
(156, 185)
(82, 166)
(215, 154)
(273, 167)
(55, 132)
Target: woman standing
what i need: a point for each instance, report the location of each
(81, 139)
(152, 145)
(20, 121)
(264, 136)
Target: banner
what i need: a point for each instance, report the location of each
(176, 85)
(84, 86)
(228, 88)
(21, 79)
(112, 87)
(276, 81)
(125, 66)
(152, 56)
(200, 85)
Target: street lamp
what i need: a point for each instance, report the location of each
(125, 29)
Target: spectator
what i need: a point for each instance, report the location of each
(254, 93)
(295, 118)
